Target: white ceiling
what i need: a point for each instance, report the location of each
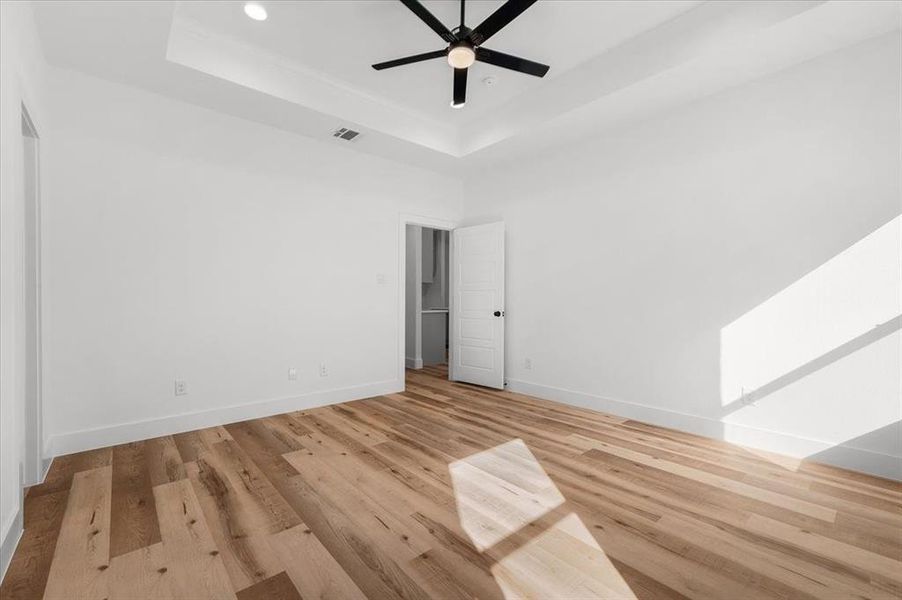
(341, 40)
(307, 68)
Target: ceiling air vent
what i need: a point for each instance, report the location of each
(345, 133)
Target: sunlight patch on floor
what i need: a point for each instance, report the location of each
(564, 561)
(790, 463)
(501, 490)
(502, 495)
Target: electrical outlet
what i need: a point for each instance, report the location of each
(292, 374)
(380, 278)
(181, 387)
(322, 370)
(527, 364)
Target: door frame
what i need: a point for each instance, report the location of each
(34, 463)
(405, 220)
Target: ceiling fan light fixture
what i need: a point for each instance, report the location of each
(255, 11)
(461, 56)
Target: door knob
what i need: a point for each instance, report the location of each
(498, 313)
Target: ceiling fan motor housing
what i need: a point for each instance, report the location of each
(461, 32)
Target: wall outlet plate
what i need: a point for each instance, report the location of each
(323, 372)
(292, 374)
(181, 387)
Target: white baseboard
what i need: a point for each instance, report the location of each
(88, 439)
(413, 363)
(46, 463)
(10, 540)
(858, 459)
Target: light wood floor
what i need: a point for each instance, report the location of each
(452, 491)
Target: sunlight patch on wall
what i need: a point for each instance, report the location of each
(819, 361)
(512, 512)
(845, 297)
(844, 400)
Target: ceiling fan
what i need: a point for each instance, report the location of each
(465, 45)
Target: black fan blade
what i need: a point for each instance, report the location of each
(430, 20)
(409, 59)
(460, 87)
(514, 63)
(508, 11)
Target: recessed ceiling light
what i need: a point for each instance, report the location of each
(255, 11)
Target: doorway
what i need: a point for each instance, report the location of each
(463, 308)
(427, 296)
(33, 466)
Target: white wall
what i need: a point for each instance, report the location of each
(183, 243)
(630, 255)
(21, 81)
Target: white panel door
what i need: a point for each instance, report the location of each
(477, 305)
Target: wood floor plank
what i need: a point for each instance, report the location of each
(857, 557)
(193, 560)
(163, 460)
(442, 572)
(708, 479)
(449, 490)
(27, 574)
(563, 561)
(399, 539)
(801, 575)
(287, 430)
(191, 443)
(865, 507)
(260, 501)
(243, 548)
(394, 488)
(133, 521)
(82, 556)
(314, 572)
(360, 430)
(644, 586)
(366, 563)
(141, 573)
(64, 468)
(277, 587)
